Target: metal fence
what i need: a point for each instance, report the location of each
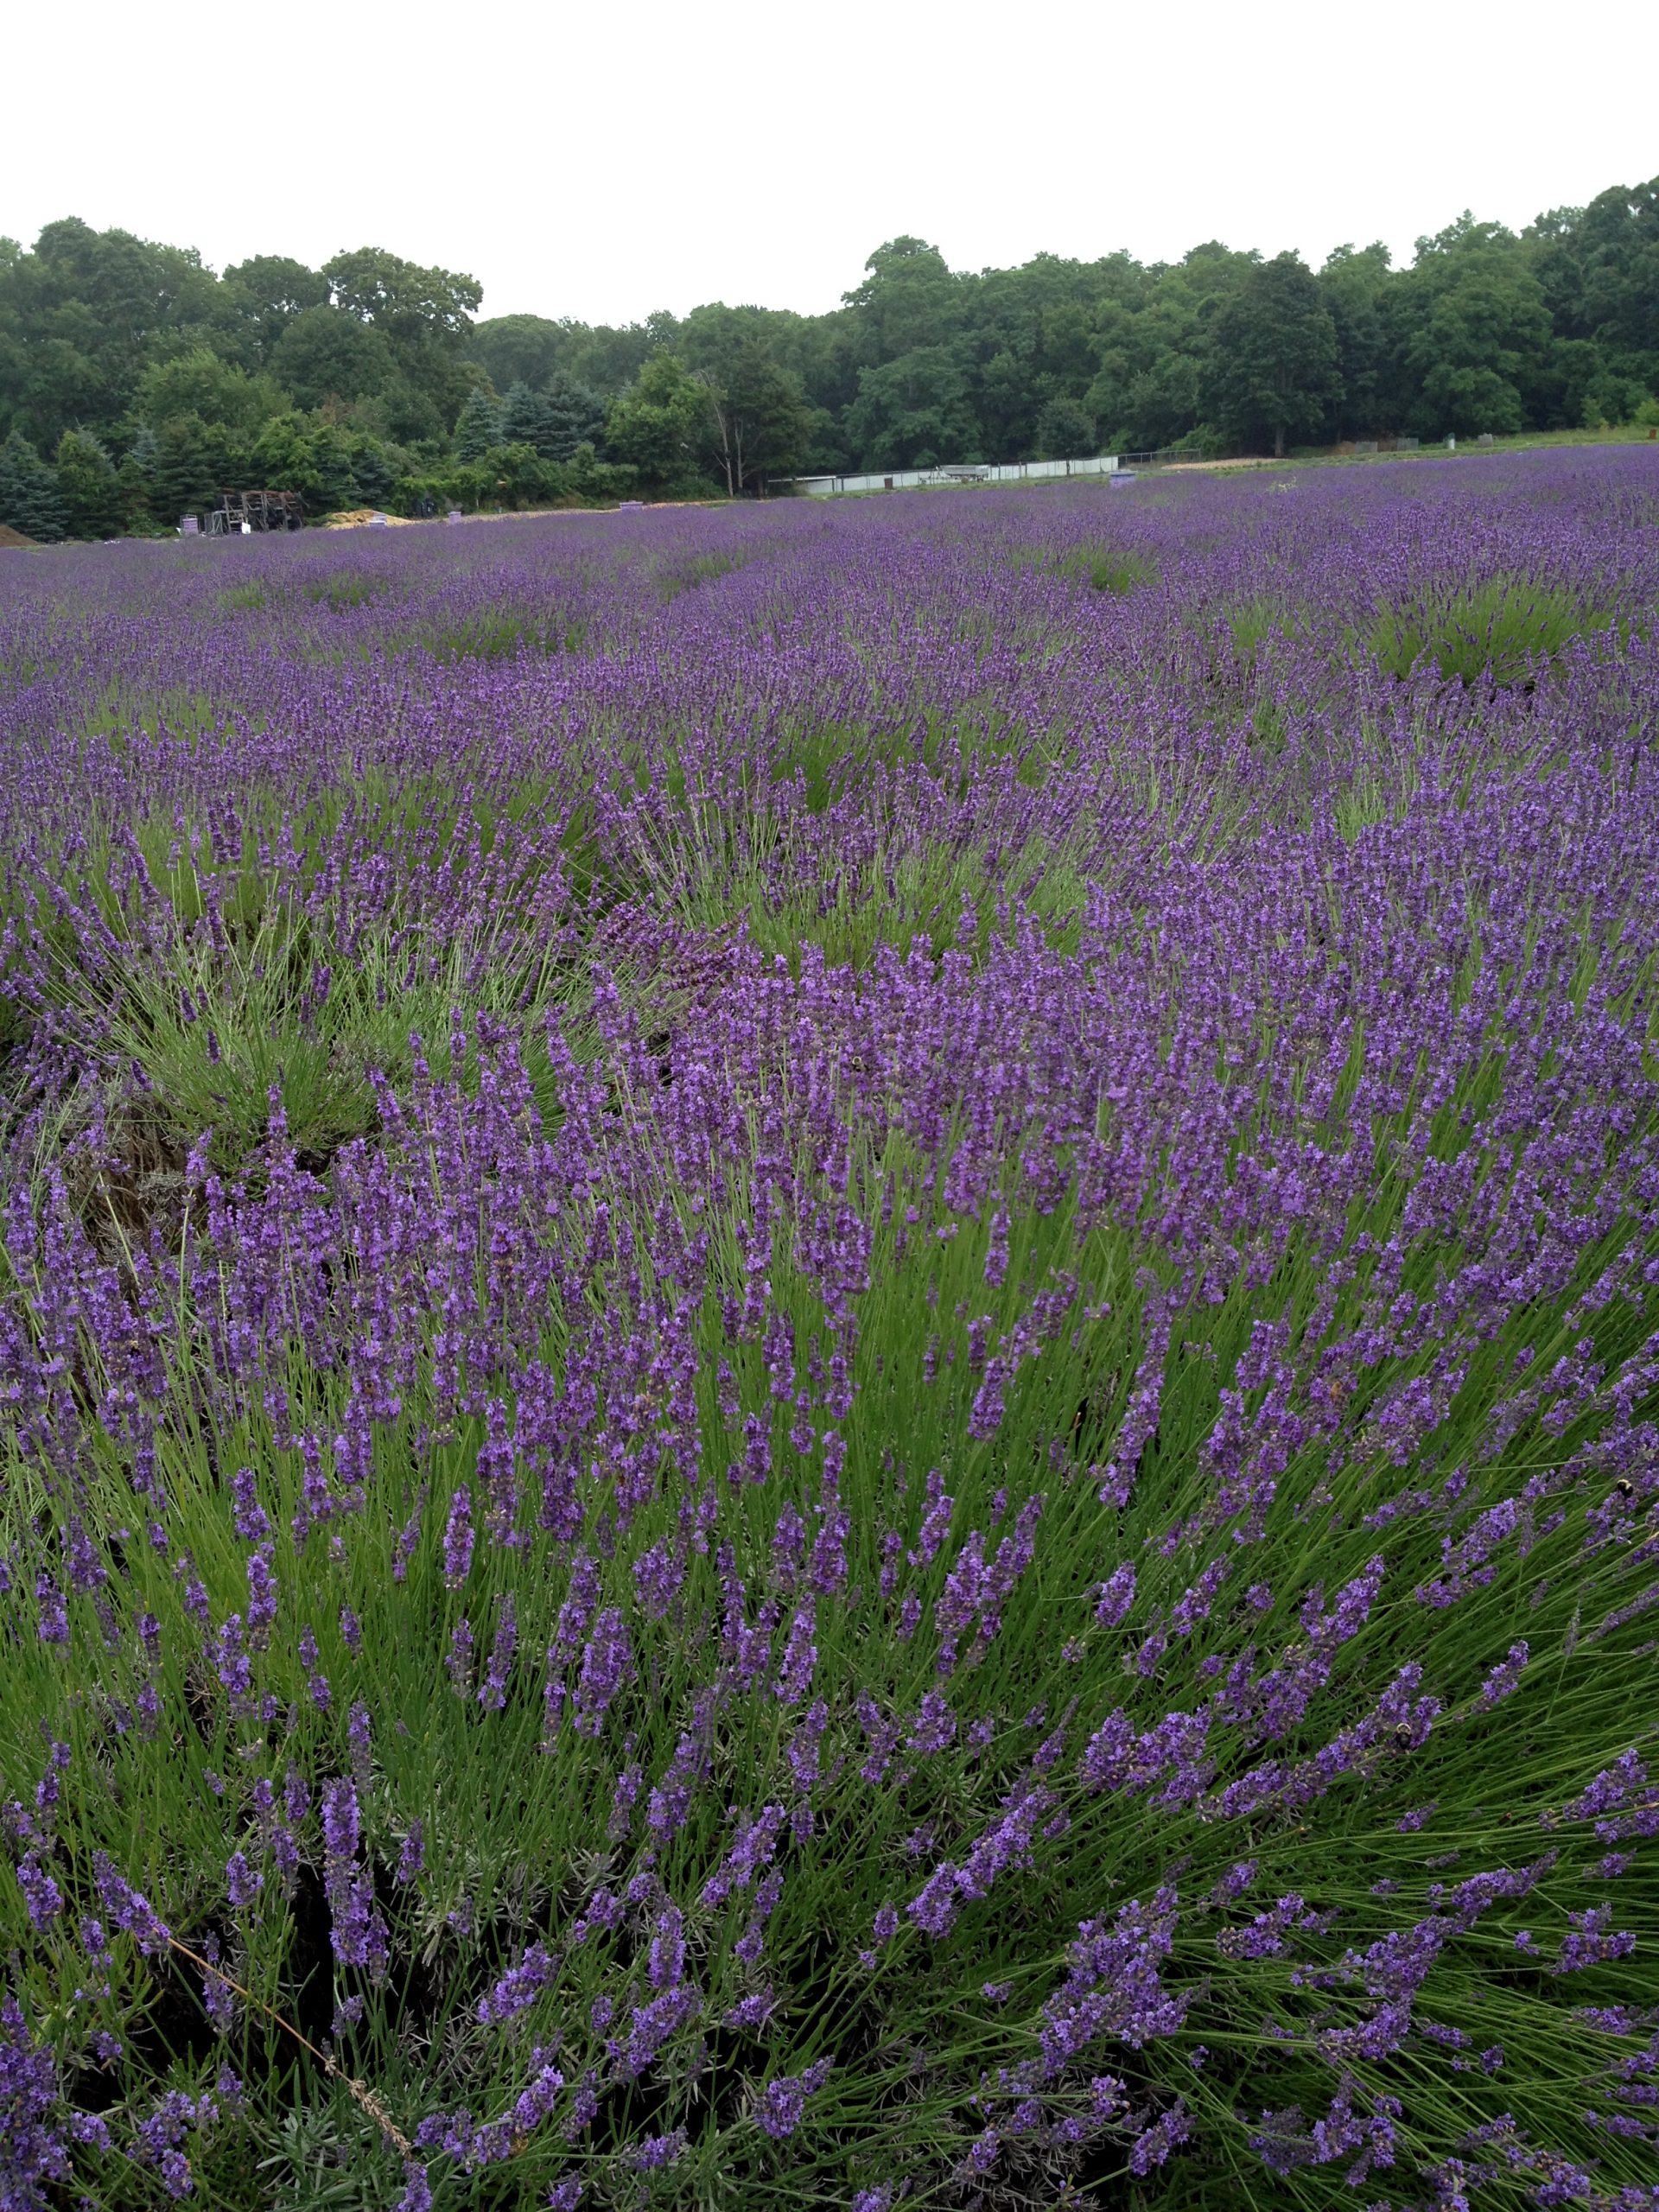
(907, 479)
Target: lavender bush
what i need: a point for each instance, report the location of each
(828, 1355)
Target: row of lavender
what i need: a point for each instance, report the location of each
(827, 1360)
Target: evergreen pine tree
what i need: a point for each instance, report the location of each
(90, 488)
(374, 471)
(578, 414)
(137, 475)
(479, 427)
(30, 499)
(528, 418)
(187, 467)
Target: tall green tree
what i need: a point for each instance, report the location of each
(82, 315)
(425, 317)
(528, 418)
(401, 299)
(88, 487)
(1065, 431)
(30, 497)
(323, 354)
(271, 291)
(1035, 340)
(1350, 283)
(759, 418)
(296, 453)
(194, 461)
(1272, 367)
(1618, 246)
(200, 383)
(479, 427)
(528, 349)
(1153, 342)
(136, 473)
(662, 426)
(909, 299)
(578, 414)
(915, 411)
(1471, 335)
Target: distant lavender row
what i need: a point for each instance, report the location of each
(828, 1356)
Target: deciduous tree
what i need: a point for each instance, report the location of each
(1272, 367)
(759, 420)
(663, 425)
(915, 412)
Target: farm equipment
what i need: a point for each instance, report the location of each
(239, 513)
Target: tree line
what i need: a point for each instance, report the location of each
(135, 382)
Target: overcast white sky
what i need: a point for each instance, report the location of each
(601, 161)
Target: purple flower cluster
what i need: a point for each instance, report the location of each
(359, 1934)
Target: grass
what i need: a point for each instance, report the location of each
(500, 635)
(1498, 629)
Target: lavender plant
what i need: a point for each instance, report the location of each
(837, 1388)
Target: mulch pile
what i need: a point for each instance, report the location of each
(11, 537)
(360, 518)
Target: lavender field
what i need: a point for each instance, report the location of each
(829, 1352)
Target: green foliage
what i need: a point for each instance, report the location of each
(270, 292)
(424, 317)
(216, 1026)
(578, 415)
(520, 349)
(194, 463)
(915, 411)
(136, 479)
(1273, 371)
(1114, 569)
(30, 497)
(1474, 334)
(1350, 285)
(1497, 630)
(662, 426)
(501, 634)
(198, 383)
(552, 422)
(593, 480)
(1065, 430)
(527, 418)
(909, 299)
(82, 315)
(479, 427)
(88, 487)
(1610, 398)
(400, 299)
(1484, 331)
(759, 420)
(294, 454)
(509, 476)
(1110, 568)
(322, 355)
(529, 349)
